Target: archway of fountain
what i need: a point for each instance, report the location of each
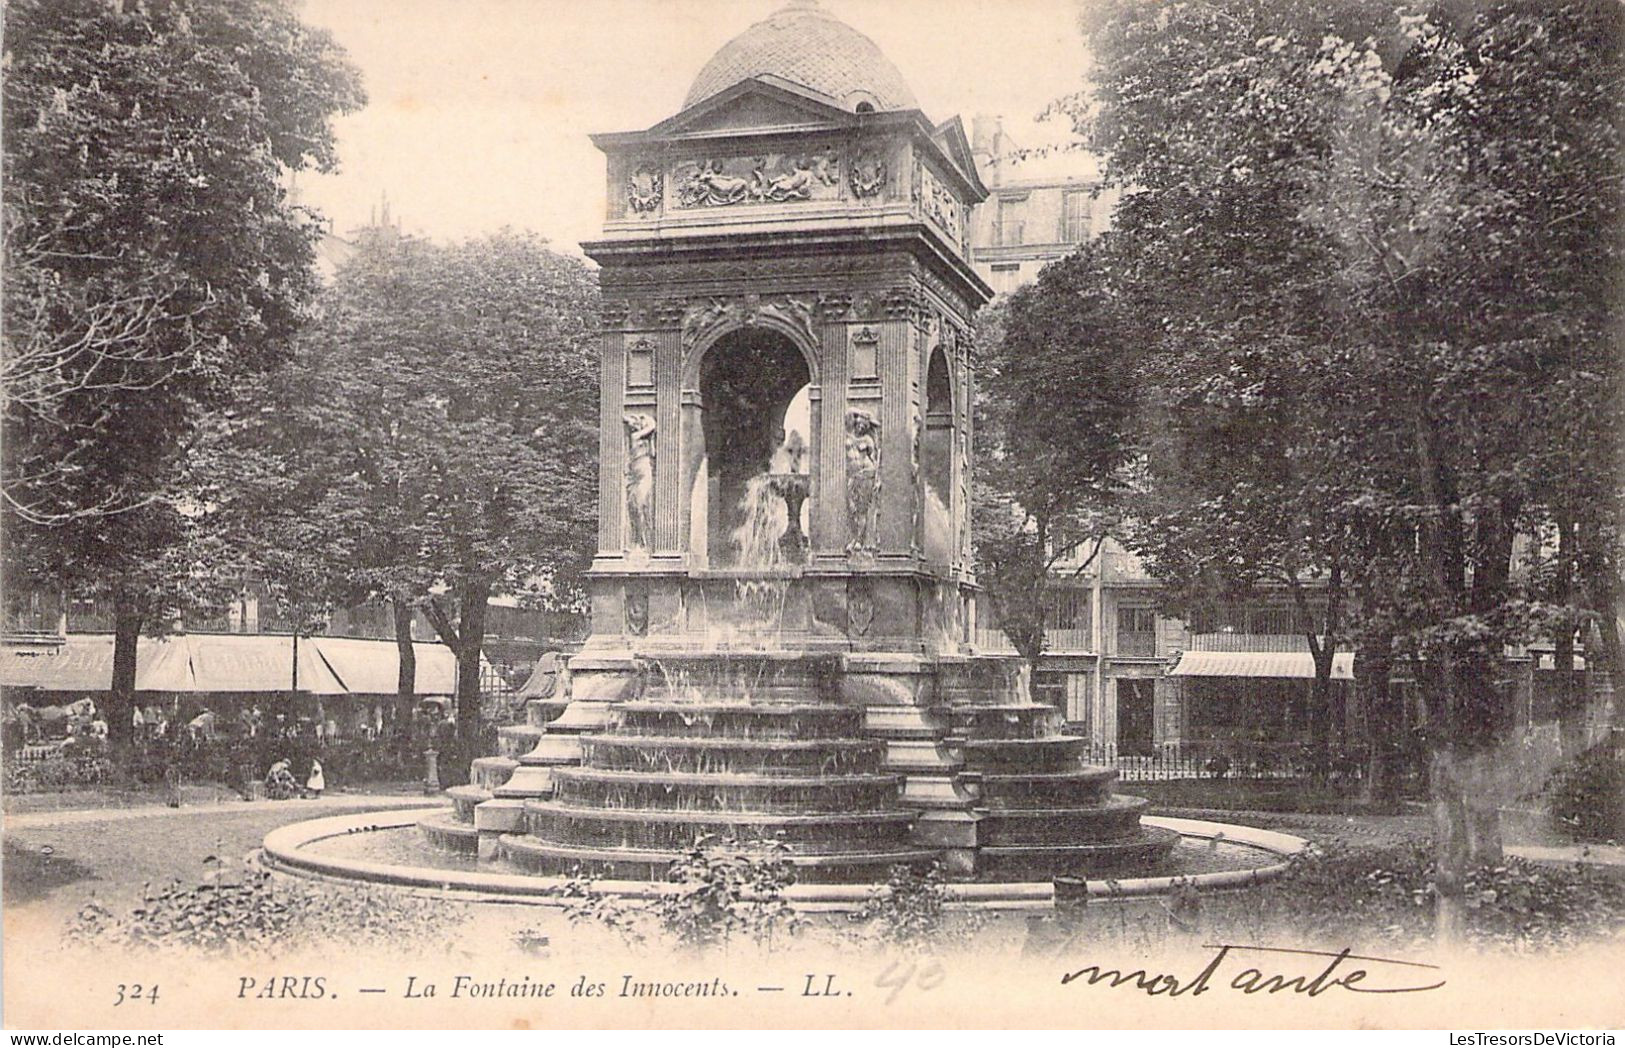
(753, 455)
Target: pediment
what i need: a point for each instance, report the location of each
(760, 104)
(949, 136)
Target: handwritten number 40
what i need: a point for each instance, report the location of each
(136, 992)
(901, 972)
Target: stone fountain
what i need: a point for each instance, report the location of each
(786, 310)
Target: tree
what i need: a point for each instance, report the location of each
(1052, 449)
(1397, 235)
(152, 261)
(458, 409)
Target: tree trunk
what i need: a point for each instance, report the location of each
(1384, 724)
(1571, 701)
(1466, 833)
(470, 639)
(1603, 597)
(406, 683)
(120, 713)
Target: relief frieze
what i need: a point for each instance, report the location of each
(776, 178)
(937, 203)
(705, 316)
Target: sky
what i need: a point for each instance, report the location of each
(479, 110)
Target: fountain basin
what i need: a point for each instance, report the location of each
(387, 848)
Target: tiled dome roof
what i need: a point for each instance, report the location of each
(803, 44)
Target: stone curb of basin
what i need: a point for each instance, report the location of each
(285, 850)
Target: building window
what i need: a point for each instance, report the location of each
(1136, 631)
(1067, 609)
(1077, 212)
(1009, 230)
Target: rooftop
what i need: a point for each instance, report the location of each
(804, 44)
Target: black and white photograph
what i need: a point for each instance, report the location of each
(813, 514)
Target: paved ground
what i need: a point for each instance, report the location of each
(56, 861)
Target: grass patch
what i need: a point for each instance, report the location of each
(1273, 795)
(33, 872)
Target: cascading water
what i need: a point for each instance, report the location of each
(770, 538)
(764, 519)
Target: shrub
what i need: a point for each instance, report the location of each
(254, 912)
(56, 773)
(1388, 895)
(585, 906)
(908, 908)
(723, 889)
(726, 888)
(1587, 794)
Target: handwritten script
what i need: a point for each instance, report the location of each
(1325, 971)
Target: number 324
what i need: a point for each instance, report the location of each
(136, 992)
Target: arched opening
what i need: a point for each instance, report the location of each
(936, 459)
(756, 467)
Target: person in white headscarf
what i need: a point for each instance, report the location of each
(316, 783)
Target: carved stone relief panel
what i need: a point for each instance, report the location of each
(860, 607)
(937, 203)
(864, 352)
(640, 364)
(776, 178)
(703, 316)
(643, 188)
(637, 612)
(868, 173)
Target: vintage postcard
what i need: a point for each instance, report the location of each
(798, 514)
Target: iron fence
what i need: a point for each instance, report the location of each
(1208, 761)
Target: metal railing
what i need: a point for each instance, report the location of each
(1136, 643)
(1223, 759)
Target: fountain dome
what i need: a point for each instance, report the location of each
(806, 45)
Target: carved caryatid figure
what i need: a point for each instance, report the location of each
(640, 480)
(862, 477)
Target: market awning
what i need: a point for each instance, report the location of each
(225, 662)
(1291, 664)
(256, 662)
(369, 667)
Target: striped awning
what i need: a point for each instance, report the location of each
(226, 662)
(1298, 665)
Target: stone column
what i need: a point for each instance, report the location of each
(899, 389)
(612, 447)
(828, 517)
(669, 460)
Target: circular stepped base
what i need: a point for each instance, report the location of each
(737, 720)
(658, 829)
(700, 755)
(1004, 721)
(1028, 790)
(655, 864)
(1025, 755)
(490, 772)
(463, 800)
(1115, 819)
(1143, 855)
(618, 790)
(445, 831)
(516, 739)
